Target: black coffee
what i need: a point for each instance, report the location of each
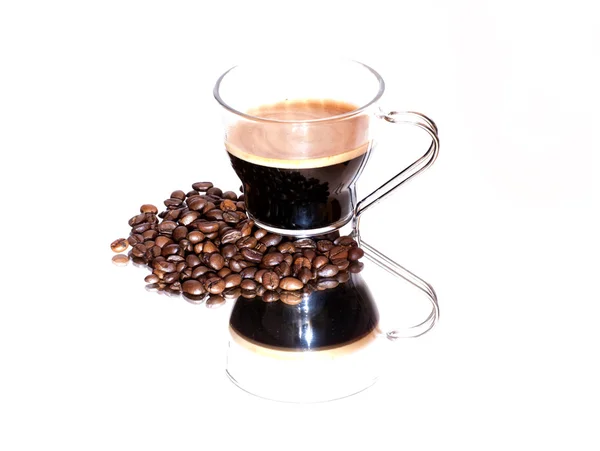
(300, 175)
(328, 318)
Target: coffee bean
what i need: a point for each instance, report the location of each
(209, 247)
(170, 249)
(235, 265)
(287, 247)
(192, 193)
(301, 262)
(199, 271)
(305, 243)
(241, 206)
(214, 191)
(166, 266)
(195, 236)
(271, 239)
(171, 277)
(270, 296)
(343, 277)
(270, 280)
(283, 269)
(261, 247)
(342, 264)
(208, 206)
(247, 242)
(186, 245)
(304, 275)
(338, 252)
(150, 235)
(208, 227)
(320, 261)
(170, 203)
(189, 217)
(355, 253)
(180, 233)
(120, 260)
(260, 233)
(167, 226)
(251, 255)
(186, 273)
(214, 285)
(175, 258)
(151, 219)
(119, 245)
(327, 283)
(195, 299)
(215, 301)
(249, 294)
(291, 297)
(259, 275)
(137, 219)
(309, 253)
(231, 217)
(324, 246)
(248, 284)
(272, 259)
(202, 186)
(193, 287)
(196, 203)
(231, 236)
(229, 250)
(260, 290)
(246, 227)
(355, 267)
(198, 248)
(141, 228)
(227, 205)
(232, 280)
(328, 271)
(134, 239)
(148, 208)
(290, 283)
(217, 261)
(178, 194)
(138, 250)
(155, 251)
(172, 215)
(248, 273)
(345, 241)
(289, 259)
(232, 293)
(151, 278)
(224, 272)
(229, 195)
(161, 241)
(212, 235)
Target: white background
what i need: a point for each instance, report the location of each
(108, 105)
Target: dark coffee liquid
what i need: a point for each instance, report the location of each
(299, 199)
(326, 319)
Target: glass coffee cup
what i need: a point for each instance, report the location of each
(298, 134)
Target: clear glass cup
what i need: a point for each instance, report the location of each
(299, 133)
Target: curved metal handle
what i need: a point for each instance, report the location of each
(418, 120)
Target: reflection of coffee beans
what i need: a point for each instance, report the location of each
(201, 252)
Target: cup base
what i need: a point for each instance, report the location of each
(301, 233)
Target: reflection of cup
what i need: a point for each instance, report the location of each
(299, 134)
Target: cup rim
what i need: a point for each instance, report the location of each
(381, 89)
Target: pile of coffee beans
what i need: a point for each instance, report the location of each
(205, 247)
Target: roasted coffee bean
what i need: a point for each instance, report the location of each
(304, 275)
(271, 239)
(246, 227)
(289, 259)
(270, 280)
(270, 296)
(291, 297)
(161, 241)
(172, 215)
(167, 226)
(189, 217)
(195, 299)
(231, 236)
(235, 265)
(232, 217)
(324, 246)
(241, 206)
(327, 283)
(171, 277)
(170, 249)
(151, 278)
(150, 235)
(141, 228)
(170, 203)
(223, 272)
(260, 290)
(227, 205)
(175, 286)
(209, 247)
(229, 195)
(355, 253)
(186, 245)
(151, 219)
(119, 245)
(202, 186)
(186, 273)
(342, 264)
(290, 283)
(261, 247)
(248, 284)
(166, 266)
(148, 208)
(175, 258)
(305, 243)
(232, 280)
(199, 271)
(208, 206)
(248, 273)
(229, 250)
(301, 262)
(198, 248)
(214, 215)
(328, 271)
(215, 301)
(355, 267)
(338, 252)
(287, 247)
(180, 233)
(212, 236)
(192, 193)
(181, 266)
(251, 255)
(309, 253)
(155, 251)
(135, 238)
(345, 241)
(120, 260)
(214, 285)
(283, 269)
(320, 261)
(178, 194)
(259, 275)
(249, 294)
(214, 191)
(272, 259)
(343, 277)
(247, 242)
(232, 293)
(216, 261)
(260, 233)
(196, 203)
(137, 219)
(138, 250)
(195, 236)
(208, 227)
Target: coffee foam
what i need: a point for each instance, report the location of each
(294, 144)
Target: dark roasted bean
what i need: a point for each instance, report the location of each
(208, 227)
(161, 241)
(150, 235)
(338, 252)
(328, 271)
(198, 248)
(355, 253)
(271, 239)
(248, 284)
(196, 203)
(291, 297)
(119, 245)
(175, 258)
(214, 191)
(209, 247)
(151, 278)
(324, 246)
(212, 236)
(202, 186)
(320, 261)
(189, 217)
(172, 215)
(252, 255)
(270, 296)
(248, 242)
(137, 219)
(192, 193)
(355, 267)
(232, 293)
(261, 247)
(141, 228)
(272, 259)
(232, 280)
(199, 271)
(309, 253)
(304, 275)
(270, 280)
(215, 301)
(170, 249)
(345, 241)
(235, 265)
(283, 269)
(195, 236)
(227, 205)
(343, 277)
(223, 272)
(260, 290)
(148, 208)
(214, 285)
(246, 227)
(134, 239)
(166, 266)
(259, 275)
(327, 283)
(260, 233)
(231, 236)
(178, 195)
(171, 277)
(240, 205)
(138, 250)
(249, 294)
(208, 206)
(229, 250)
(231, 217)
(195, 299)
(286, 247)
(305, 243)
(229, 195)
(301, 262)
(290, 283)
(167, 226)
(248, 273)
(180, 233)
(216, 261)
(342, 264)
(170, 203)
(215, 214)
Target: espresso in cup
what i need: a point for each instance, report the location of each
(298, 161)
